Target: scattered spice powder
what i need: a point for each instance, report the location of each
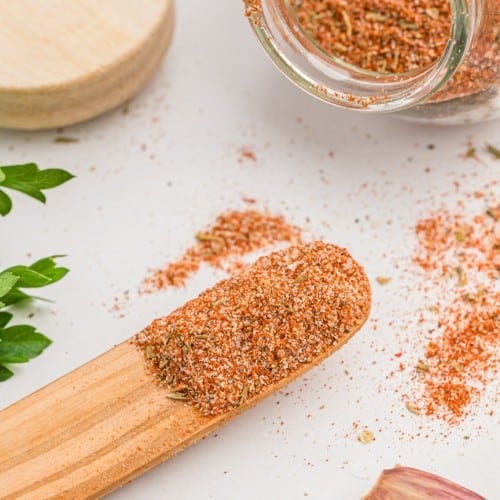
(246, 153)
(233, 235)
(235, 340)
(463, 357)
(447, 241)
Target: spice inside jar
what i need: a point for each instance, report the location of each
(386, 36)
(426, 59)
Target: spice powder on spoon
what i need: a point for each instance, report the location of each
(253, 330)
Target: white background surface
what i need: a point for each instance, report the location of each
(149, 179)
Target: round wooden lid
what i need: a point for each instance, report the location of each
(65, 61)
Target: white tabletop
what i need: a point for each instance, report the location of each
(149, 178)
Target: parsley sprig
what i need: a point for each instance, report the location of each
(30, 180)
(20, 343)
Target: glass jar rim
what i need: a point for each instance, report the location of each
(336, 82)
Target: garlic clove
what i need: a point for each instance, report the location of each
(406, 483)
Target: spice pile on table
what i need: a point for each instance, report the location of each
(255, 329)
(461, 256)
(233, 235)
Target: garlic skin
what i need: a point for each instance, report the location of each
(406, 483)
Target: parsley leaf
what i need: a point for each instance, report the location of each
(42, 273)
(7, 282)
(5, 317)
(5, 203)
(30, 180)
(20, 343)
(5, 373)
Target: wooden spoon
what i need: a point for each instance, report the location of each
(103, 424)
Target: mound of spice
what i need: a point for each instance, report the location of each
(233, 235)
(386, 36)
(461, 256)
(235, 340)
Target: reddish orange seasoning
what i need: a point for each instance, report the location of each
(255, 329)
(386, 36)
(233, 235)
(448, 240)
(398, 36)
(463, 253)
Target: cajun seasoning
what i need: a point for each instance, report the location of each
(461, 255)
(253, 330)
(479, 74)
(386, 36)
(401, 36)
(233, 235)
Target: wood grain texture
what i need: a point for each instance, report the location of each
(100, 426)
(65, 61)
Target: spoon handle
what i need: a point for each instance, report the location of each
(93, 430)
(101, 426)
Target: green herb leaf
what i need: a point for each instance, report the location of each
(27, 277)
(20, 343)
(42, 273)
(5, 373)
(7, 283)
(51, 178)
(5, 317)
(21, 178)
(5, 203)
(30, 180)
(48, 268)
(13, 297)
(23, 171)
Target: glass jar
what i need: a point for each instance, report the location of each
(460, 86)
